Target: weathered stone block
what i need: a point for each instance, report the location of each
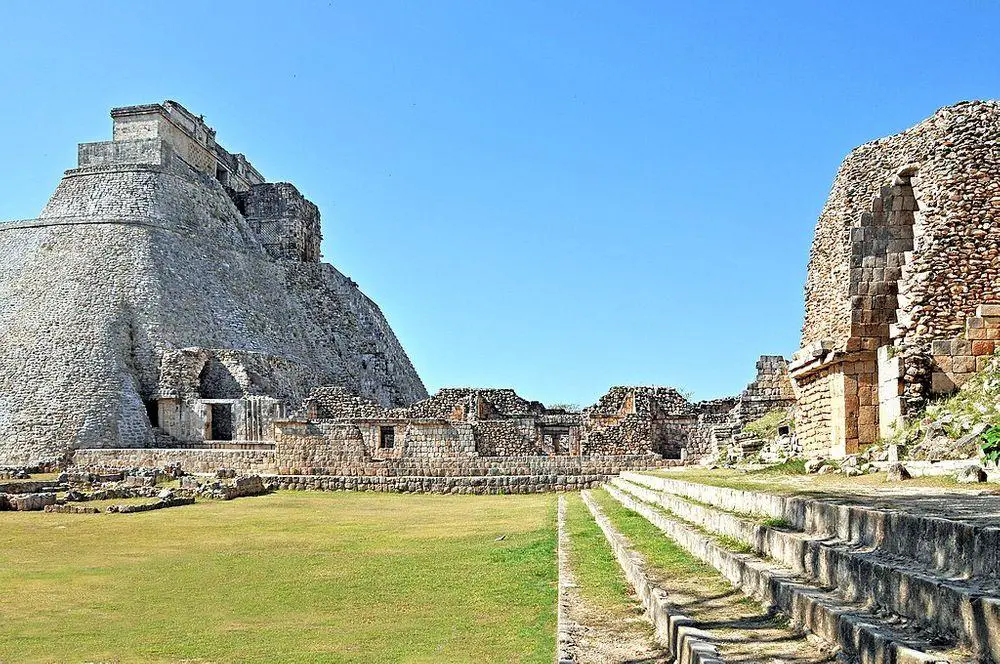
(942, 383)
(944, 362)
(963, 364)
(992, 310)
(983, 347)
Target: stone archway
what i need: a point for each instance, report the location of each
(881, 248)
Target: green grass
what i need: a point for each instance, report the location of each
(661, 552)
(766, 426)
(598, 576)
(789, 467)
(732, 543)
(290, 577)
(775, 522)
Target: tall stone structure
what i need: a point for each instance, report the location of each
(167, 295)
(903, 279)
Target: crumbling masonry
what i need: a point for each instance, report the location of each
(903, 281)
(170, 306)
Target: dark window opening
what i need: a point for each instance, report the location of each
(153, 412)
(222, 175)
(222, 421)
(784, 430)
(387, 438)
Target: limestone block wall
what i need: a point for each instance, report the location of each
(191, 460)
(106, 153)
(946, 176)
(366, 473)
(508, 437)
(319, 447)
(634, 420)
(337, 403)
(187, 136)
(287, 224)
(425, 439)
(772, 388)
(714, 426)
(955, 360)
(815, 425)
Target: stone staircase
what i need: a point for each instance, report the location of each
(692, 612)
(881, 585)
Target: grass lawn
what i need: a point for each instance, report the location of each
(290, 577)
(599, 577)
(660, 551)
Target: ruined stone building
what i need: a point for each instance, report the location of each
(170, 306)
(903, 282)
(720, 422)
(465, 432)
(168, 295)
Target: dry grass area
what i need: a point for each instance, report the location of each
(831, 485)
(289, 577)
(610, 620)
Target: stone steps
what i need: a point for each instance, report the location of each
(966, 611)
(863, 634)
(675, 632)
(952, 547)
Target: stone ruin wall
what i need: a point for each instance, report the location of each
(132, 260)
(469, 431)
(770, 389)
(720, 420)
(267, 462)
(904, 252)
(714, 428)
(636, 420)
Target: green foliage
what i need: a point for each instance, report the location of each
(978, 401)
(776, 522)
(991, 444)
(766, 426)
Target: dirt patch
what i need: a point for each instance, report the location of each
(590, 635)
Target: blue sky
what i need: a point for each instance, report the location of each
(553, 196)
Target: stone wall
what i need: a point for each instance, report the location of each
(287, 224)
(266, 462)
(508, 437)
(482, 485)
(191, 460)
(772, 388)
(721, 421)
(955, 360)
(636, 420)
(469, 421)
(905, 250)
(715, 427)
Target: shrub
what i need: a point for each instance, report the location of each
(766, 426)
(991, 444)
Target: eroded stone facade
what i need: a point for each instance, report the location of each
(168, 295)
(905, 250)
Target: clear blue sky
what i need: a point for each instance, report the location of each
(554, 196)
